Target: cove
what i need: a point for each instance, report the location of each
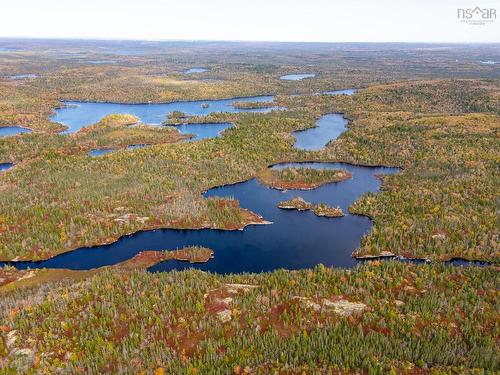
(328, 127)
(204, 131)
(77, 115)
(8, 131)
(5, 166)
(101, 152)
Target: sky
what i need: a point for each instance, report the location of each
(249, 20)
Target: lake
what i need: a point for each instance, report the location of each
(101, 151)
(9, 131)
(297, 77)
(133, 147)
(195, 70)
(23, 76)
(104, 151)
(199, 131)
(5, 166)
(295, 240)
(77, 115)
(340, 92)
(328, 127)
(204, 131)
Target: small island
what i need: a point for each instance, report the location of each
(296, 203)
(325, 210)
(322, 209)
(146, 259)
(177, 115)
(301, 178)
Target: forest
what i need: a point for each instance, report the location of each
(432, 111)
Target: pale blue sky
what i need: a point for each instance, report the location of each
(276, 20)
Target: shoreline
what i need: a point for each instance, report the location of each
(75, 101)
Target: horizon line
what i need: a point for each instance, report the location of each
(82, 38)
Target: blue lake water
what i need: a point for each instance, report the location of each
(101, 151)
(204, 131)
(8, 131)
(199, 132)
(133, 147)
(340, 92)
(23, 76)
(5, 166)
(104, 151)
(297, 77)
(295, 239)
(328, 127)
(195, 70)
(76, 115)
